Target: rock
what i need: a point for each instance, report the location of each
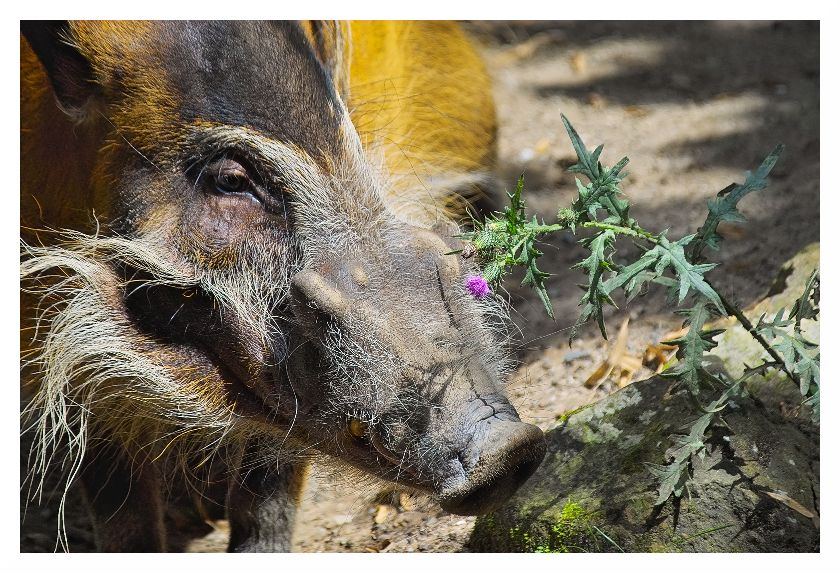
(594, 491)
(736, 346)
(755, 489)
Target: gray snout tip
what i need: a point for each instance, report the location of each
(506, 457)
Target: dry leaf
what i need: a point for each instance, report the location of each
(618, 363)
(795, 506)
(628, 366)
(657, 356)
(598, 376)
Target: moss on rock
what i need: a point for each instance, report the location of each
(593, 491)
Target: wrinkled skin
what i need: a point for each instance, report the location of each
(276, 271)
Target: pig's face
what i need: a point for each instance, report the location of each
(400, 369)
(260, 268)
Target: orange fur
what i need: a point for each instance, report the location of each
(420, 90)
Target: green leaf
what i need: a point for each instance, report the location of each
(634, 287)
(801, 356)
(690, 276)
(672, 479)
(515, 214)
(723, 207)
(533, 276)
(600, 247)
(603, 189)
(807, 305)
(587, 313)
(543, 294)
(809, 373)
(813, 402)
(691, 348)
(674, 476)
(587, 162)
(627, 274)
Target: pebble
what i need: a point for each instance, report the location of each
(383, 512)
(526, 155)
(575, 355)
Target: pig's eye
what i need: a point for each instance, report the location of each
(230, 177)
(357, 428)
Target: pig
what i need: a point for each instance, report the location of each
(236, 258)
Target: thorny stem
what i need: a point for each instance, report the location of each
(633, 232)
(543, 229)
(748, 326)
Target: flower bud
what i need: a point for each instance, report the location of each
(477, 286)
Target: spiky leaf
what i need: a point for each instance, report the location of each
(689, 275)
(603, 190)
(692, 347)
(807, 305)
(724, 206)
(675, 475)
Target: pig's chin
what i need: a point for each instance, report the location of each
(256, 399)
(471, 483)
(245, 401)
(464, 495)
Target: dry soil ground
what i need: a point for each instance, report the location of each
(693, 105)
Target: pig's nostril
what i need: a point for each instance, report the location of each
(488, 496)
(524, 470)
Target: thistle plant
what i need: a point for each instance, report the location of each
(506, 240)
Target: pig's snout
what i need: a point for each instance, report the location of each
(495, 464)
(431, 417)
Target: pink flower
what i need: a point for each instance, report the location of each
(477, 286)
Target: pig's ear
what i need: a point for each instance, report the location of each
(330, 40)
(69, 71)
